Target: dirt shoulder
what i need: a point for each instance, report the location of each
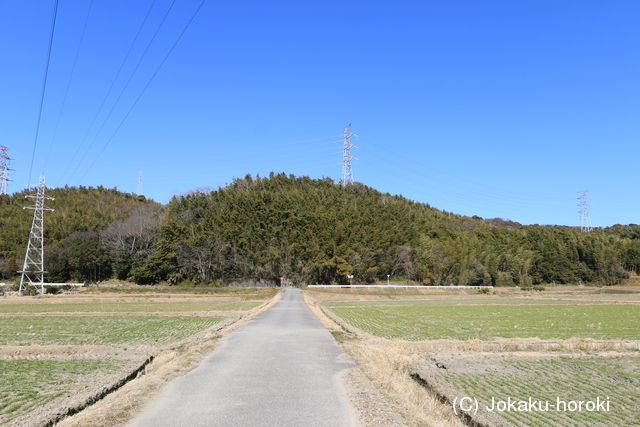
(385, 367)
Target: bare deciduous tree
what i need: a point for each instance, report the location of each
(134, 234)
(403, 262)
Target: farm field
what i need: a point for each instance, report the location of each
(574, 344)
(428, 320)
(27, 384)
(487, 301)
(615, 378)
(85, 330)
(58, 351)
(130, 307)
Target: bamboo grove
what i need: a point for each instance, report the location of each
(307, 231)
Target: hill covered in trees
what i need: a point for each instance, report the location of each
(308, 231)
(314, 231)
(76, 233)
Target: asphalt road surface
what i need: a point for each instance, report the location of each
(280, 369)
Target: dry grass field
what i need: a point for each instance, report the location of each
(426, 346)
(59, 351)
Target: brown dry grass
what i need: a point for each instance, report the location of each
(377, 294)
(115, 297)
(117, 408)
(388, 365)
(225, 313)
(633, 280)
(609, 295)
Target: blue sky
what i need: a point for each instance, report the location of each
(495, 108)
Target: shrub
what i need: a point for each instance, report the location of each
(532, 288)
(30, 290)
(504, 278)
(52, 290)
(186, 284)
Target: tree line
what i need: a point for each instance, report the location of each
(307, 231)
(84, 236)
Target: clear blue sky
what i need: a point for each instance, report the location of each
(495, 108)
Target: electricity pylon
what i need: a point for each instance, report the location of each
(347, 172)
(33, 267)
(139, 189)
(585, 211)
(4, 170)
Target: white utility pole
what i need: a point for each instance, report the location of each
(33, 267)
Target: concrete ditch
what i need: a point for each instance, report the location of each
(67, 412)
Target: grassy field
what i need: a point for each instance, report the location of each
(485, 346)
(485, 301)
(131, 307)
(58, 349)
(26, 384)
(84, 330)
(436, 319)
(252, 293)
(567, 379)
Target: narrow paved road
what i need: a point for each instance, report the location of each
(280, 369)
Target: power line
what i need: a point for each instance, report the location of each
(126, 85)
(413, 176)
(71, 74)
(44, 86)
(256, 152)
(462, 188)
(146, 86)
(113, 82)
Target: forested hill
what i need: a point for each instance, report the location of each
(315, 231)
(80, 214)
(308, 231)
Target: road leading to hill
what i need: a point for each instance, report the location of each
(280, 369)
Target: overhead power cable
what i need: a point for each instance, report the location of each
(259, 151)
(460, 187)
(44, 87)
(71, 74)
(146, 86)
(113, 82)
(125, 87)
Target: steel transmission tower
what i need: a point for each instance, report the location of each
(33, 267)
(585, 211)
(4, 170)
(139, 183)
(347, 172)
